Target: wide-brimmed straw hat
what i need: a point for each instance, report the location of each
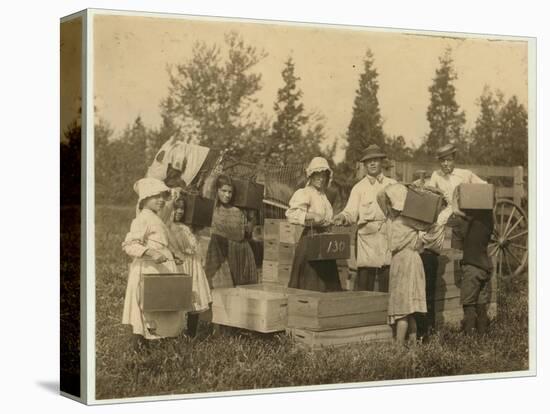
(445, 150)
(372, 151)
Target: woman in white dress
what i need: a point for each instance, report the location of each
(310, 207)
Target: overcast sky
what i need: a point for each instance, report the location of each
(131, 55)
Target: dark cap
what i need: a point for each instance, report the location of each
(445, 150)
(372, 151)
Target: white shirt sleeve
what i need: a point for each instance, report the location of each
(134, 243)
(298, 207)
(351, 211)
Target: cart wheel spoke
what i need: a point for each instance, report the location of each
(501, 216)
(515, 236)
(506, 234)
(518, 246)
(505, 231)
(514, 256)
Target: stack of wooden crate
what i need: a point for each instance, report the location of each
(260, 308)
(319, 319)
(280, 240)
(448, 308)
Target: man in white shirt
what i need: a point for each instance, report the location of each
(446, 179)
(372, 250)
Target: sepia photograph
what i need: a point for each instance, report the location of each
(277, 206)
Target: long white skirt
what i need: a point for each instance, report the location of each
(152, 325)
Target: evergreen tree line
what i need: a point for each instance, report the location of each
(211, 101)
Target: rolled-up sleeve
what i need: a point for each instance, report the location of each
(134, 243)
(298, 207)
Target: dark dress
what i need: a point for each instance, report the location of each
(320, 276)
(229, 241)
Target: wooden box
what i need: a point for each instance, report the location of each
(422, 206)
(328, 246)
(337, 310)
(476, 196)
(283, 253)
(198, 210)
(248, 194)
(290, 233)
(274, 272)
(315, 340)
(271, 229)
(261, 308)
(166, 292)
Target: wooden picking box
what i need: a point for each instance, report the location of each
(476, 196)
(282, 253)
(198, 210)
(248, 194)
(337, 310)
(261, 307)
(166, 292)
(422, 206)
(315, 340)
(328, 246)
(274, 272)
(282, 231)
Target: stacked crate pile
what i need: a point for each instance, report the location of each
(280, 241)
(319, 319)
(448, 309)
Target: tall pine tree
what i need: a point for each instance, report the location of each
(444, 115)
(484, 134)
(296, 135)
(365, 127)
(512, 134)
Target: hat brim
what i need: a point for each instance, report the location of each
(373, 156)
(445, 153)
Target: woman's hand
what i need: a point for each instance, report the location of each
(340, 220)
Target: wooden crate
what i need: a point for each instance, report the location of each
(261, 307)
(274, 272)
(422, 206)
(247, 194)
(166, 292)
(290, 233)
(198, 210)
(283, 253)
(328, 246)
(271, 229)
(337, 310)
(476, 196)
(315, 340)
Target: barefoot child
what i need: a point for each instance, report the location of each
(407, 285)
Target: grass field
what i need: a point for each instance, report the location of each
(232, 359)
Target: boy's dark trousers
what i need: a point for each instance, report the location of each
(426, 323)
(368, 276)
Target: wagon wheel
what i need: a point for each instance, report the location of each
(509, 242)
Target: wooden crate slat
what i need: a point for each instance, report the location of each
(341, 337)
(337, 322)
